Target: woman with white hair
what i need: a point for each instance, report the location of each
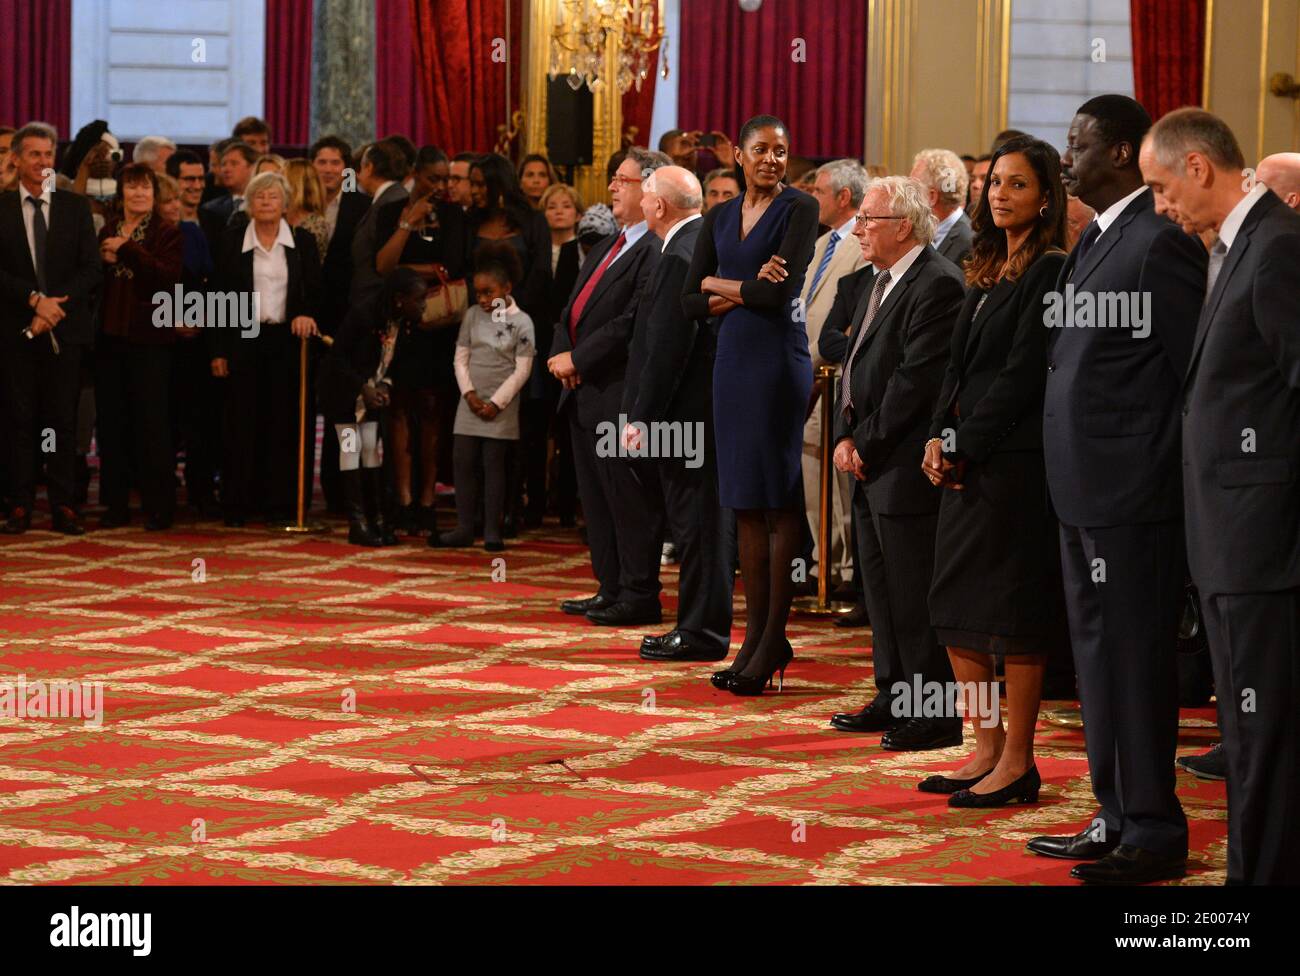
(274, 272)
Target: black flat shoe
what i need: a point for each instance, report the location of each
(748, 686)
(1082, 846)
(1129, 865)
(579, 607)
(67, 521)
(681, 647)
(1023, 790)
(625, 614)
(876, 717)
(943, 784)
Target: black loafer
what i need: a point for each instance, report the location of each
(579, 607)
(876, 717)
(624, 614)
(1129, 865)
(857, 617)
(649, 640)
(1212, 765)
(681, 647)
(1082, 846)
(919, 734)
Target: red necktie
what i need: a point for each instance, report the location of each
(580, 302)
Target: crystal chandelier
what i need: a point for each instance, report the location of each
(582, 30)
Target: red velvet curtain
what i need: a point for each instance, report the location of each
(287, 87)
(638, 106)
(464, 88)
(36, 63)
(399, 103)
(1168, 53)
(735, 65)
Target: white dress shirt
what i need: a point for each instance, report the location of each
(270, 272)
(1236, 216)
(945, 225)
(672, 231)
(1104, 220)
(332, 215)
(29, 217)
(898, 270)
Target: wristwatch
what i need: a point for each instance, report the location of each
(406, 226)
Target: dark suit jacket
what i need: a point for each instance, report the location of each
(350, 363)
(338, 260)
(604, 332)
(1241, 414)
(235, 273)
(72, 267)
(833, 343)
(894, 378)
(670, 364)
(214, 218)
(958, 241)
(992, 393)
(366, 281)
(556, 287)
(1111, 426)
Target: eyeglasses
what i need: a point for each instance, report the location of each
(629, 180)
(860, 220)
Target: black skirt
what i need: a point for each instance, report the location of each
(997, 570)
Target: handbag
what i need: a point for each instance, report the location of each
(447, 299)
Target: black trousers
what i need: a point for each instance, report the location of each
(896, 553)
(695, 521)
(532, 453)
(1255, 645)
(261, 425)
(194, 393)
(133, 426)
(42, 388)
(491, 456)
(623, 508)
(1124, 595)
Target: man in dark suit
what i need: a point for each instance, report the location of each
(216, 215)
(944, 176)
(1111, 436)
(898, 351)
(620, 501)
(1241, 476)
(49, 273)
(383, 168)
(669, 386)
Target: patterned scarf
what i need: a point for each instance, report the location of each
(120, 269)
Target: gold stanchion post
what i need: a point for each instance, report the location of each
(822, 605)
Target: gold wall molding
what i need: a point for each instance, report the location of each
(1246, 42)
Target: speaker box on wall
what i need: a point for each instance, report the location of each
(568, 124)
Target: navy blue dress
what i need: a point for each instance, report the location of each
(762, 373)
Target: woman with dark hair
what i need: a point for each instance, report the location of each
(762, 379)
(143, 252)
(356, 385)
(426, 234)
(997, 574)
(535, 175)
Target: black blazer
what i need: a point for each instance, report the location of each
(833, 342)
(1111, 425)
(894, 378)
(72, 267)
(670, 364)
(350, 363)
(1241, 414)
(604, 332)
(998, 368)
(958, 241)
(338, 260)
(214, 218)
(366, 281)
(556, 287)
(235, 273)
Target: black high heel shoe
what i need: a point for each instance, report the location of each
(722, 679)
(1025, 790)
(943, 784)
(750, 686)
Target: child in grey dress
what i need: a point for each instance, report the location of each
(494, 356)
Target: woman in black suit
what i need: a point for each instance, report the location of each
(279, 265)
(996, 586)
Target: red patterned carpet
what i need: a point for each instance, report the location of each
(493, 739)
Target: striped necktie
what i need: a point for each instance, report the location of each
(824, 263)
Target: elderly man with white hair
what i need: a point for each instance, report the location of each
(1280, 172)
(943, 175)
(668, 390)
(153, 151)
(898, 351)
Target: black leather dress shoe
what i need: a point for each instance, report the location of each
(857, 617)
(681, 647)
(650, 640)
(918, 734)
(577, 608)
(876, 717)
(18, 522)
(68, 521)
(626, 615)
(1082, 846)
(1212, 765)
(1129, 865)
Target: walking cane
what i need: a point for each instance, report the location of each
(822, 605)
(301, 526)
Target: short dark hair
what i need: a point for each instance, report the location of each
(136, 173)
(667, 138)
(331, 142)
(387, 160)
(182, 157)
(464, 157)
(501, 261)
(648, 160)
(1118, 119)
(250, 125)
(615, 161)
(406, 147)
(1005, 136)
(429, 156)
(760, 122)
(244, 149)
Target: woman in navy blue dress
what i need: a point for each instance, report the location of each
(748, 270)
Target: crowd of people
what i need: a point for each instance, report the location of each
(1065, 419)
